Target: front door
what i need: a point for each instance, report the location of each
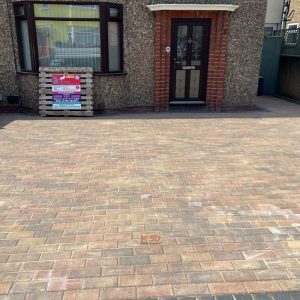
(189, 61)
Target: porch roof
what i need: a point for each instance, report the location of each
(192, 6)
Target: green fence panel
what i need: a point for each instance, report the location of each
(270, 64)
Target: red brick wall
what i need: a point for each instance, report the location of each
(217, 56)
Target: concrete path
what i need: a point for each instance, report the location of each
(138, 206)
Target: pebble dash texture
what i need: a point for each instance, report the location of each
(221, 190)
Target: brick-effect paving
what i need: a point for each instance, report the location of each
(221, 190)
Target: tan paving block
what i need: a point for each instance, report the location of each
(92, 294)
(135, 280)
(154, 291)
(164, 258)
(196, 257)
(5, 287)
(249, 265)
(238, 276)
(283, 263)
(226, 288)
(290, 284)
(118, 293)
(166, 278)
(59, 284)
(216, 265)
(262, 286)
(100, 282)
(151, 269)
(178, 249)
(293, 244)
(272, 274)
(69, 263)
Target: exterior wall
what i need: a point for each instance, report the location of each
(244, 52)
(136, 88)
(133, 89)
(295, 5)
(8, 78)
(274, 13)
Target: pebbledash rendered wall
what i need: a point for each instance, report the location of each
(136, 88)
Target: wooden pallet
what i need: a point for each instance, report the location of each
(45, 92)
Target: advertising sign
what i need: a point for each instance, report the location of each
(66, 91)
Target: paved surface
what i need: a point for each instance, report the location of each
(151, 205)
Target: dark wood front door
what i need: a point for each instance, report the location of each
(189, 61)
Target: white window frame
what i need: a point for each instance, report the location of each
(293, 24)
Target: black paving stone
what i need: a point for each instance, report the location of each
(243, 297)
(225, 297)
(295, 295)
(264, 296)
(281, 296)
(261, 297)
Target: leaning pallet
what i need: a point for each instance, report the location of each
(45, 92)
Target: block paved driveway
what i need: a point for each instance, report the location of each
(216, 196)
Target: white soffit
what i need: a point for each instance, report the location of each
(222, 7)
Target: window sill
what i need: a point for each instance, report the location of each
(27, 73)
(111, 74)
(95, 74)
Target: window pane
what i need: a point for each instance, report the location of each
(114, 46)
(69, 44)
(114, 12)
(66, 11)
(24, 36)
(20, 10)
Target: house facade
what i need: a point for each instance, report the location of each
(147, 55)
(274, 15)
(294, 22)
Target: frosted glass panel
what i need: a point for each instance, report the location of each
(194, 84)
(25, 45)
(114, 46)
(182, 44)
(180, 84)
(197, 45)
(69, 44)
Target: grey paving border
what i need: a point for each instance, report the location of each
(266, 296)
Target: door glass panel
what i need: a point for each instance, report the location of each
(180, 84)
(182, 44)
(194, 84)
(197, 45)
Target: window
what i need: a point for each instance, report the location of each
(293, 26)
(70, 35)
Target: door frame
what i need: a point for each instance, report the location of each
(204, 70)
